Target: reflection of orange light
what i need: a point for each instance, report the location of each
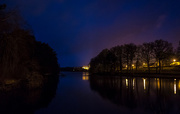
(174, 86)
(85, 78)
(144, 82)
(179, 85)
(158, 83)
(126, 82)
(133, 83)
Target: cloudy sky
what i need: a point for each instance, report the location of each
(79, 29)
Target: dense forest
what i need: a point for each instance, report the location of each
(21, 56)
(130, 58)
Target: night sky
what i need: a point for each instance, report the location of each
(79, 29)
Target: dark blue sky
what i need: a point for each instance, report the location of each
(79, 29)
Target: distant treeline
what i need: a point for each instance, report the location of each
(130, 57)
(21, 56)
(73, 69)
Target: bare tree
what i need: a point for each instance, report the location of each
(117, 50)
(162, 50)
(138, 56)
(129, 54)
(147, 53)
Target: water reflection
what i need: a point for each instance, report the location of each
(85, 76)
(126, 83)
(27, 100)
(174, 86)
(155, 95)
(133, 82)
(144, 83)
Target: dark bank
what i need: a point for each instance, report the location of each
(29, 68)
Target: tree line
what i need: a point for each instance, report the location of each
(21, 55)
(129, 57)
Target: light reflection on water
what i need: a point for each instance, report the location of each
(85, 76)
(144, 82)
(155, 95)
(133, 82)
(174, 86)
(126, 83)
(81, 93)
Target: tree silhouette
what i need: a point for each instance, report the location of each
(147, 53)
(118, 52)
(178, 51)
(129, 54)
(162, 50)
(21, 56)
(138, 56)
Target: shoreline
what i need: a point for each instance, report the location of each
(147, 75)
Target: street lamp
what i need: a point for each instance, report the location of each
(174, 60)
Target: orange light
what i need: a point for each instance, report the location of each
(86, 67)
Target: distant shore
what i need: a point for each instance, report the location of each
(147, 75)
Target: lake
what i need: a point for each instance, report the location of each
(79, 93)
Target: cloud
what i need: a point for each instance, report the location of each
(161, 20)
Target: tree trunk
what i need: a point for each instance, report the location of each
(159, 66)
(120, 62)
(148, 66)
(127, 64)
(156, 67)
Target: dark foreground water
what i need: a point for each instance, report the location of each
(77, 93)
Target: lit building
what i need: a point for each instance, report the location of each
(86, 67)
(175, 63)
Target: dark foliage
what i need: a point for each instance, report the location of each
(178, 52)
(129, 57)
(21, 56)
(162, 50)
(147, 53)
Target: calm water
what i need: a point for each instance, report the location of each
(77, 93)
